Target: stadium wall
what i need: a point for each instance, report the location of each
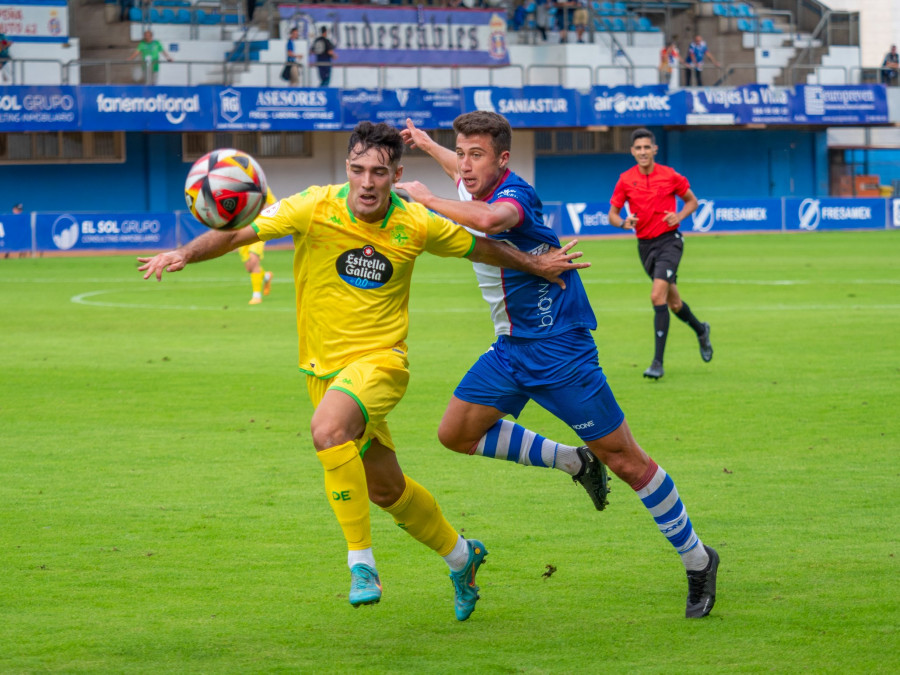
(104, 231)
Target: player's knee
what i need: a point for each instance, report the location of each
(327, 434)
(450, 438)
(383, 494)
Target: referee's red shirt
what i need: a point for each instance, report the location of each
(649, 197)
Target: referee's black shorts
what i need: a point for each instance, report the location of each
(660, 256)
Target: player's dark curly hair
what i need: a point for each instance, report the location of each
(643, 133)
(382, 136)
(487, 123)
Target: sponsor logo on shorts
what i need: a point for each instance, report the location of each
(583, 425)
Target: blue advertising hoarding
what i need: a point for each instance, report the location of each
(15, 232)
(104, 231)
(276, 109)
(427, 109)
(748, 104)
(834, 213)
(845, 104)
(526, 107)
(209, 108)
(735, 215)
(147, 108)
(40, 109)
(406, 35)
(631, 106)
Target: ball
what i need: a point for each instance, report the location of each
(225, 189)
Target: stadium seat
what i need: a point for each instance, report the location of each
(646, 26)
(618, 25)
(720, 10)
(168, 15)
(619, 8)
(744, 10)
(603, 8)
(134, 14)
(599, 26)
(183, 16)
(768, 26)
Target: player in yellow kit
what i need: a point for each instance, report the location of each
(252, 256)
(354, 249)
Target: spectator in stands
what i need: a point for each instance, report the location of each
(293, 58)
(669, 61)
(149, 50)
(542, 17)
(323, 48)
(580, 19)
(890, 67)
(5, 59)
(18, 208)
(564, 17)
(125, 9)
(697, 53)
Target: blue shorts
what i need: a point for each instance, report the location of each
(560, 374)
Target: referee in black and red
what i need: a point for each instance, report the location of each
(650, 190)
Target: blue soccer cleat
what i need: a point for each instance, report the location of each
(365, 586)
(464, 581)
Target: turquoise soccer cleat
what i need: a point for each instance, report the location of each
(464, 581)
(365, 586)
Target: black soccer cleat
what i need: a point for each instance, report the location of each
(655, 371)
(702, 588)
(593, 477)
(705, 344)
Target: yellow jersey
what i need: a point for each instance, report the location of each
(352, 278)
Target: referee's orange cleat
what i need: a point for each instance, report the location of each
(268, 285)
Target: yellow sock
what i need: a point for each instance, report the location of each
(256, 281)
(345, 486)
(418, 513)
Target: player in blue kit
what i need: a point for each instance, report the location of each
(544, 351)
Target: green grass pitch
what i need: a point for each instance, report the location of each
(162, 510)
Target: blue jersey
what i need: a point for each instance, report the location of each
(698, 52)
(524, 305)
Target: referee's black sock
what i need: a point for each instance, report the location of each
(661, 329)
(686, 315)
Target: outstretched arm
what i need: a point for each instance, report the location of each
(488, 218)
(207, 246)
(550, 265)
(416, 138)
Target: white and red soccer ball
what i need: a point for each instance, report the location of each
(225, 189)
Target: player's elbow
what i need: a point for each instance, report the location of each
(491, 224)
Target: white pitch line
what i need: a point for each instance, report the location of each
(87, 299)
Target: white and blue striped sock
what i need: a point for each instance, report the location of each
(658, 493)
(507, 440)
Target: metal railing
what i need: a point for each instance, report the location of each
(244, 72)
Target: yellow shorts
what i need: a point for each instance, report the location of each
(259, 248)
(376, 382)
(580, 17)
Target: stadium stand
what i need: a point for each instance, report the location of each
(212, 42)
